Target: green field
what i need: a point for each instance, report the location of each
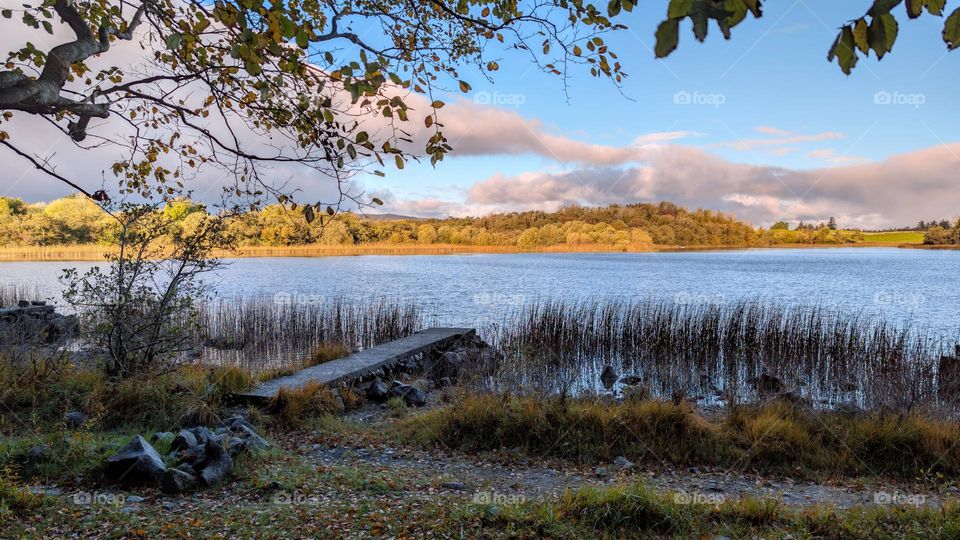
(894, 237)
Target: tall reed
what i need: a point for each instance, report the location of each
(262, 333)
(718, 350)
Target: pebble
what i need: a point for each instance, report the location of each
(459, 486)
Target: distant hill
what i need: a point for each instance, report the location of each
(388, 217)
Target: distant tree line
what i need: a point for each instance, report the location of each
(943, 233)
(78, 220)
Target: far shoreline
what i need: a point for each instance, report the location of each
(95, 253)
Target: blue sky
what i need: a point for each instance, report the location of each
(772, 74)
(761, 127)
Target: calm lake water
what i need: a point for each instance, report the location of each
(902, 284)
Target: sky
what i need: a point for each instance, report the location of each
(761, 127)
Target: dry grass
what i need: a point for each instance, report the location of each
(776, 437)
(294, 407)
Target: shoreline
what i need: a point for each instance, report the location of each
(95, 253)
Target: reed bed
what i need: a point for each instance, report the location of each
(11, 293)
(718, 351)
(262, 334)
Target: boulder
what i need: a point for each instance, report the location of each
(414, 397)
(622, 463)
(38, 454)
(768, 384)
(631, 380)
(608, 377)
(237, 424)
(378, 391)
(948, 377)
(176, 481)
(184, 441)
(215, 465)
(135, 463)
(251, 439)
(74, 419)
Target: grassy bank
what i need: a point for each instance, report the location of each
(96, 252)
(778, 437)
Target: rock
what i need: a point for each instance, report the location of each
(768, 384)
(203, 434)
(23, 303)
(237, 424)
(134, 499)
(135, 463)
(948, 377)
(251, 439)
(176, 481)
(444, 382)
(631, 380)
(414, 397)
(38, 454)
(622, 463)
(215, 465)
(608, 377)
(448, 364)
(459, 486)
(378, 392)
(338, 402)
(184, 441)
(74, 419)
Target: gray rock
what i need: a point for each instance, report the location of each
(252, 439)
(38, 454)
(237, 424)
(135, 463)
(134, 499)
(184, 441)
(413, 396)
(215, 465)
(608, 377)
(631, 380)
(176, 481)
(622, 463)
(459, 486)
(74, 419)
(378, 392)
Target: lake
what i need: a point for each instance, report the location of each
(922, 286)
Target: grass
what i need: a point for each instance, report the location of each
(776, 437)
(717, 349)
(894, 237)
(632, 510)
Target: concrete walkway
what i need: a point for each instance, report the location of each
(361, 364)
